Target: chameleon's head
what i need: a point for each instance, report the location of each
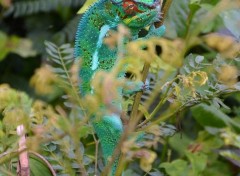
(139, 13)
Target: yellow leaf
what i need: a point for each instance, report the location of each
(228, 75)
(146, 160)
(226, 45)
(43, 80)
(85, 7)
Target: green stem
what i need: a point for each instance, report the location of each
(76, 143)
(157, 108)
(163, 100)
(139, 94)
(161, 119)
(73, 87)
(5, 171)
(164, 151)
(96, 152)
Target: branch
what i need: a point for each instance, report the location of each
(45, 161)
(23, 165)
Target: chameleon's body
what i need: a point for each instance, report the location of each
(101, 17)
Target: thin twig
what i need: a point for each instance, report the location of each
(96, 152)
(23, 165)
(163, 100)
(45, 161)
(78, 153)
(5, 171)
(75, 92)
(184, 106)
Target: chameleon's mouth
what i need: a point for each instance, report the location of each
(142, 19)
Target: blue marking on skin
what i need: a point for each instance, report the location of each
(103, 32)
(115, 120)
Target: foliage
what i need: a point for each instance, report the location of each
(191, 115)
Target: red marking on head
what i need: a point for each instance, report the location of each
(130, 7)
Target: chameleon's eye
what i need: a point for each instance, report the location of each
(130, 7)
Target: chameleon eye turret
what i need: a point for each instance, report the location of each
(130, 7)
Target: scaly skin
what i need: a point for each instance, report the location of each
(101, 17)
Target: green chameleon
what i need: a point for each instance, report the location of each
(99, 19)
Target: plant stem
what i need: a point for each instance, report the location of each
(5, 171)
(164, 151)
(162, 101)
(75, 92)
(23, 165)
(45, 161)
(139, 94)
(96, 152)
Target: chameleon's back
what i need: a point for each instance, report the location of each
(89, 45)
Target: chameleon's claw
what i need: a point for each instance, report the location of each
(135, 86)
(145, 87)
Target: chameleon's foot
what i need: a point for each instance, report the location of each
(153, 31)
(145, 87)
(133, 86)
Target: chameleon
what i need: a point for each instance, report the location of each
(95, 55)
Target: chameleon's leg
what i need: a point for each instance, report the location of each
(153, 31)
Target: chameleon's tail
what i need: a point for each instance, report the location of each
(109, 130)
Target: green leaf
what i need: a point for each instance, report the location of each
(177, 17)
(3, 40)
(198, 162)
(84, 131)
(38, 168)
(51, 46)
(65, 46)
(180, 143)
(231, 155)
(231, 20)
(207, 115)
(194, 7)
(218, 168)
(86, 6)
(209, 142)
(176, 168)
